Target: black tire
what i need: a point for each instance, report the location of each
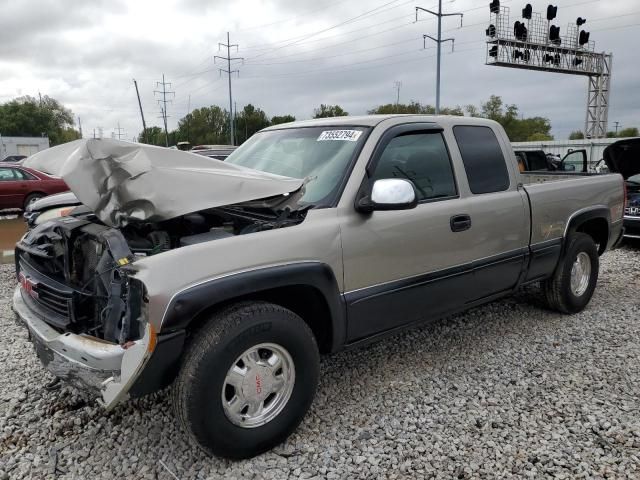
(32, 198)
(197, 391)
(557, 289)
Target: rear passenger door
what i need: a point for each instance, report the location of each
(406, 265)
(12, 188)
(499, 211)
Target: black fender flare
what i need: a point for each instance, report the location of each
(579, 218)
(186, 305)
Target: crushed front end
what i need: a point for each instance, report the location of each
(85, 313)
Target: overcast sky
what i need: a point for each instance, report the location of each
(297, 54)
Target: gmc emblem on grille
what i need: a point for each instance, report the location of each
(28, 285)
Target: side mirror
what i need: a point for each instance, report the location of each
(389, 194)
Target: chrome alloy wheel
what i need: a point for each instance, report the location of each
(580, 274)
(258, 385)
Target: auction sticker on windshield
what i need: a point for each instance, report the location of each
(343, 135)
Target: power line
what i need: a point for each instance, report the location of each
(164, 101)
(229, 58)
(346, 22)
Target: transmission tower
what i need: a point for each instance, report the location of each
(439, 41)
(119, 131)
(228, 71)
(164, 92)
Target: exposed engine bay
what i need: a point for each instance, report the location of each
(75, 270)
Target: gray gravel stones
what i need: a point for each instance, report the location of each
(506, 390)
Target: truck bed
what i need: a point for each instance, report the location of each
(555, 197)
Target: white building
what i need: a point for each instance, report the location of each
(22, 145)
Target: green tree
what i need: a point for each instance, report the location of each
(629, 132)
(278, 119)
(518, 129)
(576, 135)
(206, 126)
(325, 111)
(611, 134)
(249, 121)
(152, 136)
(26, 116)
(413, 108)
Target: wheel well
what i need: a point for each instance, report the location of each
(304, 300)
(598, 229)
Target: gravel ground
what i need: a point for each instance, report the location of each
(506, 390)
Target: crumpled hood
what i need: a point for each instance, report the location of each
(122, 181)
(623, 157)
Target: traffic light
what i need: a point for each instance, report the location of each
(518, 54)
(554, 35)
(577, 61)
(551, 12)
(581, 21)
(584, 37)
(493, 52)
(491, 31)
(494, 6)
(555, 59)
(527, 11)
(520, 31)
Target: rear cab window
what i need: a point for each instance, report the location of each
(483, 159)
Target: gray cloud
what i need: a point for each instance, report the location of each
(87, 54)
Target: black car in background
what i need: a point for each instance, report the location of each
(623, 157)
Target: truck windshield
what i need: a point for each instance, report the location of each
(321, 154)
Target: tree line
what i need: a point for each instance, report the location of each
(28, 116)
(625, 132)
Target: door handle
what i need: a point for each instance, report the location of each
(460, 223)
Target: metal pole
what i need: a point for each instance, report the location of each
(232, 136)
(439, 43)
(144, 125)
(164, 112)
(188, 116)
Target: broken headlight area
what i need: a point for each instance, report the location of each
(74, 275)
(76, 272)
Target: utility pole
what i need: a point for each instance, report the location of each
(396, 85)
(80, 126)
(119, 134)
(188, 116)
(228, 71)
(617, 125)
(144, 125)
(439, 41)
(164, 101)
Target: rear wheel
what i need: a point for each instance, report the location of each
(575, 278)
(247, 379)
(32, 198)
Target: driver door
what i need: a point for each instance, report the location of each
(401, 266)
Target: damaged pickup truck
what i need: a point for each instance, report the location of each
(228, 279)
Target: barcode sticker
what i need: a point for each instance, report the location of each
(340, 135)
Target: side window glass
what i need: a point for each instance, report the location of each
(422, 158)
(22, 175)
(6, 175)
(483, 159)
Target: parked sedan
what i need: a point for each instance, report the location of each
(14, 158)
(20, 186)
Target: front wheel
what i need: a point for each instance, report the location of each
(247, 379)
(575, 278)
